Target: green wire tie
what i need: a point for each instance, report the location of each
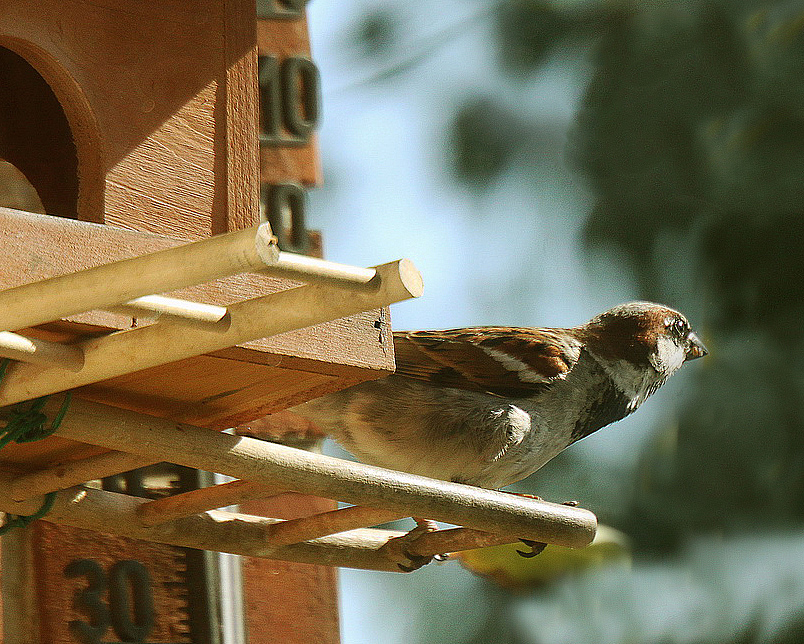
(23, 520)
(27, 426)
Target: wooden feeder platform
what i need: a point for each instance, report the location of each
(143, 330)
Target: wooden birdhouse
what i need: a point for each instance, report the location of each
(148, 288)
(145, 117)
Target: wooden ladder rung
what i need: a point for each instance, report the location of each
(44, 352)
(192, 502)
(170, 309)
(109, 284)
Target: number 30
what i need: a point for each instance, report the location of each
(131, 607)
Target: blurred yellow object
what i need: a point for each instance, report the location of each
(506, 567)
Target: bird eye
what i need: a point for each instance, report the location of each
(678, 326)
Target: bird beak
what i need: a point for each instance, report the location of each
(695, 348)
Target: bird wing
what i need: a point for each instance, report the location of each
(510, 362)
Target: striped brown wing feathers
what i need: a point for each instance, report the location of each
(500, 360)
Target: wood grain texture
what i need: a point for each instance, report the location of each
(156, 123)
(295, 469)
(193, 502)
(36, 247)
(20, 616)
(292, 603)
(242, 170)
(162, 142)
(232, 532)
(67, 474)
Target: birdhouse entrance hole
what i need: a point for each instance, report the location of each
(35, 135)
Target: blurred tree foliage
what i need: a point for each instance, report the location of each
(483, 139)
(691, 133)
(375, 34)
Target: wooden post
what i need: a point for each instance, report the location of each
(332, 522)
(244, 534)
(64, 475)
(207, 316)
(21, 624)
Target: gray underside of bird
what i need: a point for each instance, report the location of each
(468, 436)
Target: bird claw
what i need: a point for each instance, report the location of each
(416, 561)
(419, 561)
(397, 548)
(536, 548)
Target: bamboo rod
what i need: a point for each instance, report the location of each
(278, 465)
(149, 346)
(318, 271)
(324, 523)
(36, 351)
(64, 475)
(236, 533)
(185, 504)
(171, 309)
(166, 270)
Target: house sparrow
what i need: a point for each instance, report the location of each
(488, 406)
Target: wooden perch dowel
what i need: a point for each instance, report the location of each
(65, 475)
(240, 534)
(171, 309)
(324, 523)
(36, 351)
(319, 271)
(285, 467)
(207, 498)
(165, 270)
(454, 540)
(149, 346)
